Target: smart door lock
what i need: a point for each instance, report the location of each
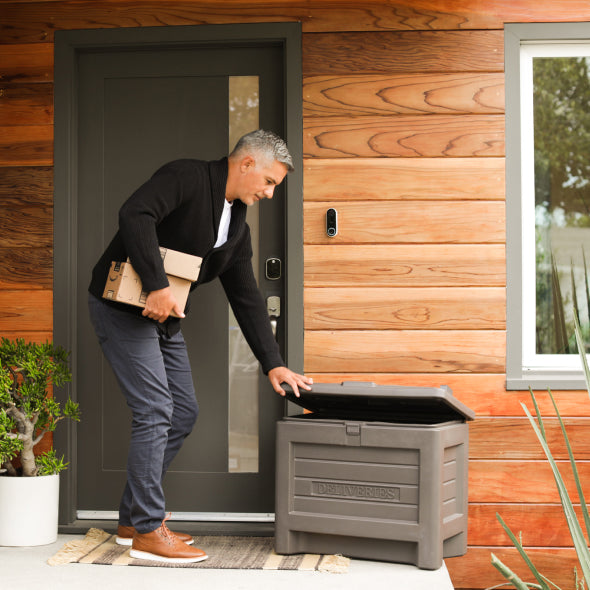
(331, 222)
(273, 269)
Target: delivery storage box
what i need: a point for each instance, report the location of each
(124, 285)
(375, 472)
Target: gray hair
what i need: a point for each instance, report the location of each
(266, 144)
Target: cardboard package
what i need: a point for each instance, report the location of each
(124, 285)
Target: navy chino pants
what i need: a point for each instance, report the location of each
(154, 374)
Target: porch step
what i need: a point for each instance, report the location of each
(404, 577)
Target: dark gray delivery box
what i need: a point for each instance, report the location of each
(376, 472)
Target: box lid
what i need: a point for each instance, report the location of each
(360, 400)
(179, 264)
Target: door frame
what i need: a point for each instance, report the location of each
(68, 46)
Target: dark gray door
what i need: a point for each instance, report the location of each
(138, 109)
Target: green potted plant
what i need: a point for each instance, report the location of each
(29, 481)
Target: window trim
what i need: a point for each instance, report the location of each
(519, 377)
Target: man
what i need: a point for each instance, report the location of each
(199, 208)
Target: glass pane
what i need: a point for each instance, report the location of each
(244, 370)
(561, 89)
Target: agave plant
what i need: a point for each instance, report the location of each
(577, 533)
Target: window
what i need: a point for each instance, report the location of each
(548, 202)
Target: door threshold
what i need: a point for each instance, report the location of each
(187, 516)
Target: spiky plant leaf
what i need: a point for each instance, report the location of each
(574, 526)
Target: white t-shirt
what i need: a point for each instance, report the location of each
(224, 224)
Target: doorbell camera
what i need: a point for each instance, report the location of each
(331, 222)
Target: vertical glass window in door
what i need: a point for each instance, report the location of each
(244, 369)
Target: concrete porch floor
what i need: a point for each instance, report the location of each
(26, 568)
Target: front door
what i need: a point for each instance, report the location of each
(138, 108)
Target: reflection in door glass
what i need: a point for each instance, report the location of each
(562, 200)
(244, 370)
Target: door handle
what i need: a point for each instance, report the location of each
(273, 307)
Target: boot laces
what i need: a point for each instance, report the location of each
(166, 532)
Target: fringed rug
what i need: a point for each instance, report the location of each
(250, 553)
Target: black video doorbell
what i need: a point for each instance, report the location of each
(331, 222)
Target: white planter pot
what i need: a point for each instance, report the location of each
(28, 510)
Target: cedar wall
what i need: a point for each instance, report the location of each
(404, 135)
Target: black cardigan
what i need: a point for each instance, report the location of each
(180, 208)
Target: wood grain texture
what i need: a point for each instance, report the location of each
(469, 351)
(409, 94)
(26, 268)
(514, 438)
(515, 480)
(455, 265)
(384, 82)
(449, 308)
(32, 336)
(542, 525)
(407, 52)
(22, 62)
(30, 145)
(37, 20)
(433, 136)
(26, 310)
(485, 394)
(474, 570)
(411, 179)
(26, 227)
(403, 222)
(26, 104)
(26, 186)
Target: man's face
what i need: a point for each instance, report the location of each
(258, 180)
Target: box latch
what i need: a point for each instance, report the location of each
(353, 434)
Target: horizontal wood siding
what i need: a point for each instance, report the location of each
(21, 63)
(30, 311)
(404, 135)
(26, 104)
(386, 351)
(37, 20)
(30, 145)
(389, 308)
(413, 179)
(408, 52)
(26, 246)
(474, 570)
(364, 222)
(458, 265)
(431, 136)
(410, 94)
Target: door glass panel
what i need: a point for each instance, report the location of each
(244, 369)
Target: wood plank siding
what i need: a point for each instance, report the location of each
(404, 135)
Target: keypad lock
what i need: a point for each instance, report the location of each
(273, 269)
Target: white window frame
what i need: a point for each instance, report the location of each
(524, 367)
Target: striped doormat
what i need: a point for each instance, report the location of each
(252, 553)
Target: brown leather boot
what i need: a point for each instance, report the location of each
(163, 545)
(125, 536)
